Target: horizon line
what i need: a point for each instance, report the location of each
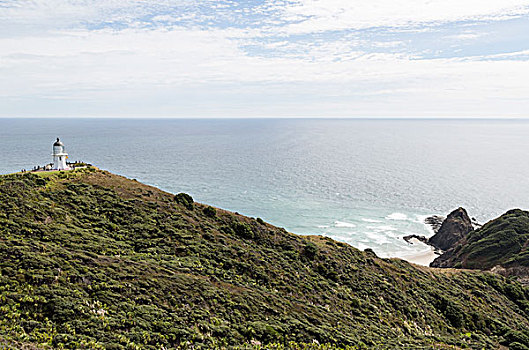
(280, 117)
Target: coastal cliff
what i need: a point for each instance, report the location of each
(448, 231)
(501, 244)
(89, 259)
(455, 227)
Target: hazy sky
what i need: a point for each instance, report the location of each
(264, 58)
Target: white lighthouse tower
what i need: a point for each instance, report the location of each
(59, 156)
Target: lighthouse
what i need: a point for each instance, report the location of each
(59, 156)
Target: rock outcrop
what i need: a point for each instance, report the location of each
(501, 245)
(448, 231)
(455, 227)
(447, 259)
(409, 239)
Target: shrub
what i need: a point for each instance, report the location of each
(452, 311)
(310, 250)
(242, 230)
(227, 229)
(512, 337)
(185, 200)
(517, 346)
(210, 211)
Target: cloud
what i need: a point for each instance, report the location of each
(325, 15)
(468, 35)
(222, 58)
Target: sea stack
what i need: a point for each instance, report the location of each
(456, 226)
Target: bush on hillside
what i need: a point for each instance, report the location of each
(210, 211)
(185, 200)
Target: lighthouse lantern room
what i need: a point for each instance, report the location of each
(59, 156)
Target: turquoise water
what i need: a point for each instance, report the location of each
(365, 182)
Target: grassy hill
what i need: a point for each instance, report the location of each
(89, 259)
(501, 242)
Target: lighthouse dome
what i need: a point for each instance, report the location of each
(58, 143)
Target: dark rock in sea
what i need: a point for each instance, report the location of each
(417, 237)
(455, 227)
(448, 231)
(475, 223)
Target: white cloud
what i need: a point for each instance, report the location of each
(199, 70)
(88, 65)
(325, 15)
(467, 35)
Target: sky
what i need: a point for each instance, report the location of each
(299, 58)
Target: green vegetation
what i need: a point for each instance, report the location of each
(89, 259)
(185, 200)
(210, 211)
(502, 241)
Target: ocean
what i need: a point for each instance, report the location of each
(367, 182)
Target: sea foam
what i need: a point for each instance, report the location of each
(344, 224)
(371, 220)
(397, 216)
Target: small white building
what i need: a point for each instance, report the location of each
(59, 156)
